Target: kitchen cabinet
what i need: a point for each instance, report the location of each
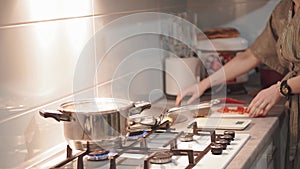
(266, 159)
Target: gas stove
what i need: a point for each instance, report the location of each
(158, 148)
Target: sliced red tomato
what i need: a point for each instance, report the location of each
(231, 101)
(223, 110)
(238, 109)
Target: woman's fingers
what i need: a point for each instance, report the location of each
(193, 98)
(257, 108)
(267, 109)
(181, 95)
(264, 101)
(193, 91)
(178, 99)
(262, 105)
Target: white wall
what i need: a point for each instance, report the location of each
(49, 55)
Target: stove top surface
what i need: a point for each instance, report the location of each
(156, 141)
(137, 152)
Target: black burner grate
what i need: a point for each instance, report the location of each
(193, 157)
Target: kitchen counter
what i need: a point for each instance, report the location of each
(262, 133)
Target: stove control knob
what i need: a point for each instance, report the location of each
(226, 137)
(229, 132)
(223, 142)
(216, 149)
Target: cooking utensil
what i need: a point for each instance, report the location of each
(102, 122)
(202, 109)
(155, 116)
(195, 106)
(158, 115)
(175, 114)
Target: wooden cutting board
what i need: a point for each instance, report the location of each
(223, 123)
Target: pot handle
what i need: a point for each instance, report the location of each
(57, 115)
(139, 107)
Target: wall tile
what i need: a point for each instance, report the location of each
(28, 136)
(14, 12)
(40, 58)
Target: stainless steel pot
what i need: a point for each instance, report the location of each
(100, 122)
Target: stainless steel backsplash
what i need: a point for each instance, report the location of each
(48, 56)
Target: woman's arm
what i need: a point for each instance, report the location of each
(239, 65)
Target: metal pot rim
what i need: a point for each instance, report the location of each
(112, 105)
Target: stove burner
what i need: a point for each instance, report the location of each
(136, 134)
(187, 137)
(162, 157)
(139, 127)
(139, 144)
(98, 155)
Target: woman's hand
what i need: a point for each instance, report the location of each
(195, 91)
(264, 101)
(240, 64)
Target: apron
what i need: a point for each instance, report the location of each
(288, 46)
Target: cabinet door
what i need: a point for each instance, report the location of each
(265, 159)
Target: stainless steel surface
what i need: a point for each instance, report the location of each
(197, 110)
(195, 106)
(156, 141)
(159, 114)
(103, 122)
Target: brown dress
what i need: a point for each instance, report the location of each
(278, 46)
